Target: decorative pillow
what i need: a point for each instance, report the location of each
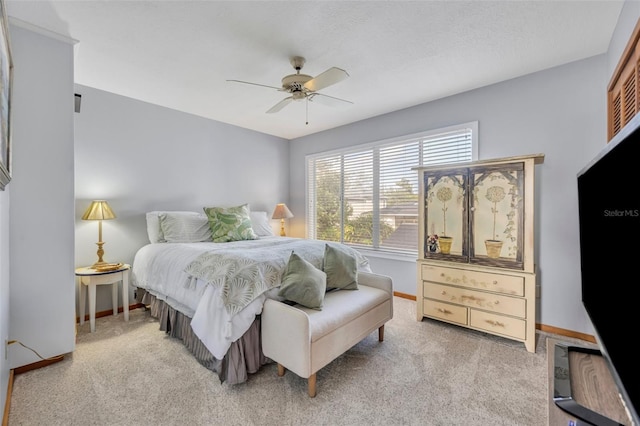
(260, 224)
(230, 223)
(341, 268)
(185, 228)
(154, 231)
(303, 283)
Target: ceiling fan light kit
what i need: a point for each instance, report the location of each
(306, 87)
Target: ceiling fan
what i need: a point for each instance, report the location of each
(305, 87)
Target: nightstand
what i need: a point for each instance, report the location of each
(91, 278)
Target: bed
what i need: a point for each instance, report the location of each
(210, 294)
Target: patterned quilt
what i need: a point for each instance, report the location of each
(244, 274)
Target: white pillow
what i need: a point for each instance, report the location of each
(260, 224)
(154, 230)
(185, 228)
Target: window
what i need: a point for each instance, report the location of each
(367, 196)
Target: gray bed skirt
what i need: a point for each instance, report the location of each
(244, 357)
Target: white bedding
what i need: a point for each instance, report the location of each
(160, 270)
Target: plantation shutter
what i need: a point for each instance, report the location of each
(324, 192)
(358, 191)
(398, 219)
(624, 91)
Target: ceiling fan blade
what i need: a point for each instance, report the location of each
(329, 77)
(255, 84)
(328, 100)
(283, 103)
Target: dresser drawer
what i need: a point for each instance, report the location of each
(506, 284)
(445, 311)
(512, 327)
(476, 299)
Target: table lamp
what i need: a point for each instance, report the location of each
(281, 212)
(99, 210)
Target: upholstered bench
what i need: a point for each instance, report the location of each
(304, 340)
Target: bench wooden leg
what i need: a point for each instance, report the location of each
(381, 334)
(280, 369)
(312, 385)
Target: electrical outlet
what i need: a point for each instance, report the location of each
(538, 291)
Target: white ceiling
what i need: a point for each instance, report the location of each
(180, 54)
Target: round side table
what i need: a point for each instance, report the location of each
(90, 278)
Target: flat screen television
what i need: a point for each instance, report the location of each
(609, 229)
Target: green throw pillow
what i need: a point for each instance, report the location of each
(303, 283)
(230, 223)
(341, 268)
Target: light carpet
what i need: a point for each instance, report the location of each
(424, 373)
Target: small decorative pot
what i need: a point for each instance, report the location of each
(445, 244)
(493, 248)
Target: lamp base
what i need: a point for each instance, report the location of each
(282, 233)
(100, 253)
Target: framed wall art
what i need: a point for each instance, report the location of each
(6, 78)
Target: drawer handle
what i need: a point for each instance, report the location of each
(494, 323)
(443, 311)
(443, 292)
(495, 282)
(472, 298)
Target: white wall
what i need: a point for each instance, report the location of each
(4, 290)
(558, 112)
(142, 157)
(42, 207)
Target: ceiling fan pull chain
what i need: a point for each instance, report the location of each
(307, 112)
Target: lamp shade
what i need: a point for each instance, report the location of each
(281, 212)
(98, 210)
